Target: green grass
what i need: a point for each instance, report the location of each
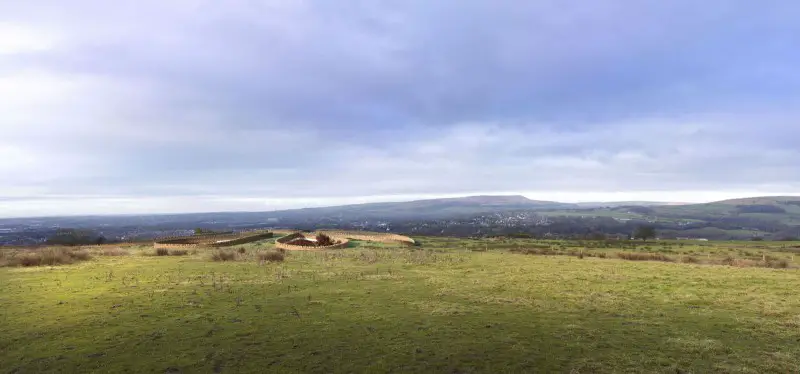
(450, 306)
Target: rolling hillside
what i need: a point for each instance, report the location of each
(772, 217)
(427, 209)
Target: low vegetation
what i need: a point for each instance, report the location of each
(48, 256)
(223, 255)
(271, 256)
(449, 305)
(114, 251)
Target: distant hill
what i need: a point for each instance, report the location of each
(427, 209)
(767, 216)
(763, 200)
(784, 209)
(613, 204)
(776, 208)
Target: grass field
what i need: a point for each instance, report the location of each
(450, 306)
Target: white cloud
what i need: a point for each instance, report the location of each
(169, 106)
(16, 39)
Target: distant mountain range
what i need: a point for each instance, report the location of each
(427, 209)
(459, 206)
(476, 204)
(770, 217)
(607, 204)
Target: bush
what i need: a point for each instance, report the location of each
(535, 251)
(80, 255)
(271, 256)
(689, 260)
(116, 251)
(54, 257)
(179, 252)
(324, 240)
(777, 264)
(242, 250)
(643, 256)
(162, 252)
(28, 259)
(742, 263)
(47, 257)
(223, 255)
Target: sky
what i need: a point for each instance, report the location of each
(156, 106)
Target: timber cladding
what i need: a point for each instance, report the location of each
(212, 240)
(371, 236)
(343, 237)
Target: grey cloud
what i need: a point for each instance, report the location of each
(258, 99)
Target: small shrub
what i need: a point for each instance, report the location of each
(223, 255)
(689, 260)
(28, 259)
(777, 264)
(116, 251)
(179, 252)
(534, 251)
(46, 257)
(271, 256)
(728, 260)
(162, 252)
(80, 255)
(55, 257)
(634, 256)
(324, 240)
(241, 250)
(601, 255)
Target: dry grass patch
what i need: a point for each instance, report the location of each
(766, 262)
(643, 256)
(115, 251)
(223, 255)
(689, 260)
(44, 257)
(271, 256)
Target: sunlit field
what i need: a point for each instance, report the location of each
(449, 305)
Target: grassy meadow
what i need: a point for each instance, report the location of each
(448, 306)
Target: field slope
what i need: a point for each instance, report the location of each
(390, 309)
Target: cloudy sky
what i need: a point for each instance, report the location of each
(191, 105)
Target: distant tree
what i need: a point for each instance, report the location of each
(757, 239)
(645, 232)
